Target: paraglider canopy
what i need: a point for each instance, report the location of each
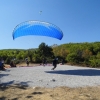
(37, 28)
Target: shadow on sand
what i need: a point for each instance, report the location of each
(81, 72)
(2, 75)
(13, 82)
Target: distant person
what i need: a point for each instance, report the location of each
(44, 61)
(2, 67)
(27, 62)
(62, 62)
(2, 61)
(12, 64)
(55, 61)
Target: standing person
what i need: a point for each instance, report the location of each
(62, 62)
(27, 62)
(2, 67)
(55, 61)
(2, 61)
(44, 61)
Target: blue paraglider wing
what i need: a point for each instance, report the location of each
(37, 28)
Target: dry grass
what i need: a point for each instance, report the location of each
(58, 93)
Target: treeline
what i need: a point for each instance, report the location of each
(33, 55)
(85, 54)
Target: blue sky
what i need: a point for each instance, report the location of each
(79, 21)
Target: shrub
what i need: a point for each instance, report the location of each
(95, 63)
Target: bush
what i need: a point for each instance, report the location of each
(95, 63)
(72, 58)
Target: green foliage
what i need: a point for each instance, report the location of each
(98, 55)
(72, 58)
(75, 53)
(84, 53)
(95, 63)
(34, 55)
(44, 51)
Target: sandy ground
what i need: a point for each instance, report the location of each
(58, 93)
(16, 92)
